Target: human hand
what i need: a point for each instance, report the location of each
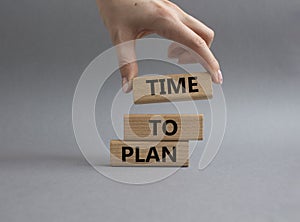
(128, 20)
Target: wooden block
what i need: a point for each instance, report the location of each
(150, 153)
(172, 87)
(163, 127)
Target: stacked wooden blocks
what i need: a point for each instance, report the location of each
(161, 139)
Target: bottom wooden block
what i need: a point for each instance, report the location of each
(150, 153)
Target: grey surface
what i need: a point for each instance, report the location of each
(45, 46)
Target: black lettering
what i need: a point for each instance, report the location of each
(154, 126)
(165, 127)
(192, 84)
(166, 152)
(152, 154)
(171, 85)
(152, 87)
(162, 86)
(125, 154)
(137, 156)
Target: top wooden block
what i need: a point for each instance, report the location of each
(172, 87)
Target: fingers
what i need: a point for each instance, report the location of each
(187, 58)
(206, 33)
(174, 50)
(128, 72)
(177, 31)
(127, 59)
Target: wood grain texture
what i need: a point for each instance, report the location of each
(172, 87)
(163, 127)
(149, 153)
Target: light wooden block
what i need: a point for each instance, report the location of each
(163, 127)
(150, 153)
(172, 87)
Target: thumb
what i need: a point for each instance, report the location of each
(125, 46)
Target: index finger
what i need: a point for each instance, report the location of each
(177, 31)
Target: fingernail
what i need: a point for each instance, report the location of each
(124, 85)
(220, 77)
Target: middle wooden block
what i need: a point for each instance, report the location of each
(163, 127)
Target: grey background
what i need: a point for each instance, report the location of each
(45, 46)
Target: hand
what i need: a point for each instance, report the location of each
(132, 19)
